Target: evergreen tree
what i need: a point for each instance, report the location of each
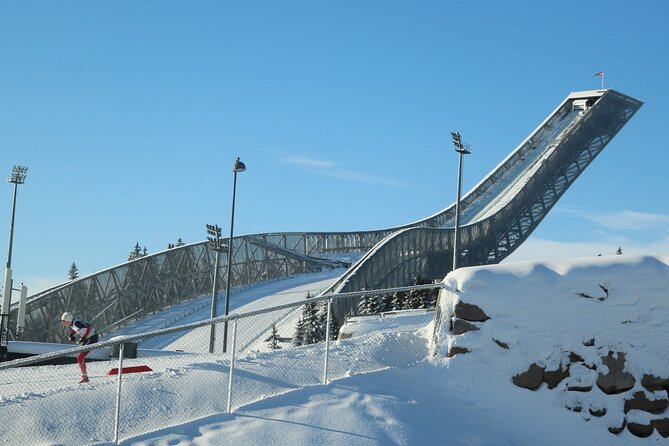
(322, 321)
(298, 337)
(418, 298)
(274, 339)
(74, 272)
(398, 302)
(386, 303)
(414, 299)
(136, 252)
(369, 304)
(424, 299)
(312, 331)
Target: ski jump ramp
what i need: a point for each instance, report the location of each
(496, 216)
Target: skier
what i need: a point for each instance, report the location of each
(87, 336)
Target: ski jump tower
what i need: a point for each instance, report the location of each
(496, 216)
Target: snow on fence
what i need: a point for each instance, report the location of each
(265, 354)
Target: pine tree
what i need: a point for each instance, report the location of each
(373, 305)
(74, 272)
(274, 339)
(298, 337)
(312, 331)
(322, 321)
(386, 303)
(418, 298)
(413, 299)
(368, 304)
(423, 299)
(136, 252)
(398, 301)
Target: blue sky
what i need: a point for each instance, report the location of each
(130, 115)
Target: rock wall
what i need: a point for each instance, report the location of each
(639, 403)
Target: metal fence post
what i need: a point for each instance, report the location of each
(232, 363)
(327, 342)
(118, 392)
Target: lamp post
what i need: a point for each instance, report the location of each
(462, 149)
(216, 245)
(18, 176)
(237, 167)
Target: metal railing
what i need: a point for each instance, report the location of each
(186, 382)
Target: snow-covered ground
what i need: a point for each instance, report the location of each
(385, 387)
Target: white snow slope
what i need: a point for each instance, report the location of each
(540, 310)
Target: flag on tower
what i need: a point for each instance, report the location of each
(600, 74)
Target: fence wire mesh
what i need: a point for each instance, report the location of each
(267, 352)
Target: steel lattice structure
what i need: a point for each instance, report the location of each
(428, 252)
(498, 215)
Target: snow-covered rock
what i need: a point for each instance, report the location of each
(591, 331)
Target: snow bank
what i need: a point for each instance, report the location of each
(578, 316)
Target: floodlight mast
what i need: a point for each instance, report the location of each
(18, 176)
(237, 167)
(216, 244)
(461, 149)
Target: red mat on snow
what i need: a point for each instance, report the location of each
(134, 369)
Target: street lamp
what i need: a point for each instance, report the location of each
(18, 176)
(462, 149)
(237, 167)
(215, 243)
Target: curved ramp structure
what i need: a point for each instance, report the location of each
(500, 212)
(497, 215)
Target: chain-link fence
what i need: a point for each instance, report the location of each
(150, 381)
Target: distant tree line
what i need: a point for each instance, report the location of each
(373, 304)
(312, 323)
(136, 253)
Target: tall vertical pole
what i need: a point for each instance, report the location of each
(227, 280)
(214, 301)
(7, 290)
(456, 236)
(462, 150)
(232, 365)
(11, 228)
(238, 167)
(17, 177)
(117, 417)
(327, 341)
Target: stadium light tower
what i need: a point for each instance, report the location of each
(237, 167)
(18, 176)
(462, 150)
(216, 245)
